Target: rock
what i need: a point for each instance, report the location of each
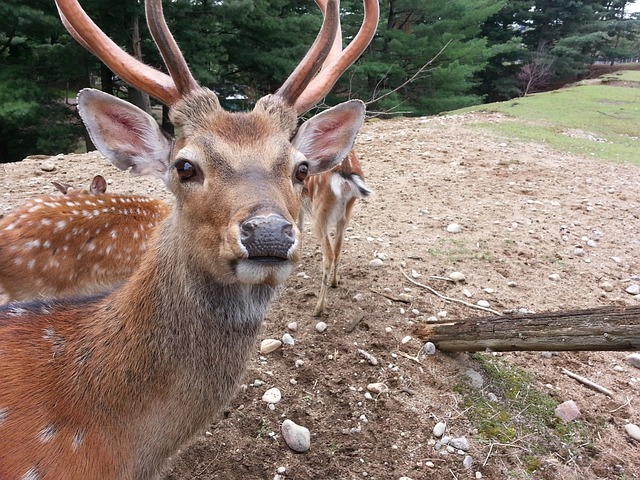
(288, 339)
(428, 349)
(405, 297)
(405, 340)
(297, 437)
(293, 326)
(453, 228)
(457, 277)
(439, 429)
(633, 359)
(376, 263)
(358, 297)
(554, 277)
(269, 345)
(371, 360)
(476, 379)
(633, 289)
(606, 286)
(377, 388)
(567, 411)
(272, 395)
(48, 166)
(633, 431)
(460, 443)
(483, 303)
(321, 327)
(468, 461)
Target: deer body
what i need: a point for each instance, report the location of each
(110, 387)
(330, 197)
(80, 243)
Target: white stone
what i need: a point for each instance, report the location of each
(483, 303)
(453, 228)
(606, 286)
(321, 327)
(460, 443)
(457, 276)
(293, 326)
(287, 339)
(269, 345)
(404, 297)
(273, 395)
(554, 277)
(633, 359)
(439, 429)
(297, 437)
(405, 339)
(633, 289)
(376, 263)
(428, 349)
(633, 431)
(48, 166)
(377, 388)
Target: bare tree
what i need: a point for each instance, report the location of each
(537, 72)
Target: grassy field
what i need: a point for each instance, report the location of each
(599, 117)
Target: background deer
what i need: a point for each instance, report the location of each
(330, 199)
(84, 242)
(109, 387)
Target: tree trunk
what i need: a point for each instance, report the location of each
(609, 328)
(137, 97)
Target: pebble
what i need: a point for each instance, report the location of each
(428, 349)
(453, 228)
(293, 326)
(376, 263)
(567, 411)
(457, 276)
(633, 289)
(633, 359)
(467, 293)
(273, 395)
(554, 277)
(377, 388)
(468, 461)
(358, 297)
(579, 252)
(48, 166)
(606, 286)
(269, 345)
(299, 363)
(483, 303)
(476, 379)
(297, 437)
(371, 360)
(288, 339)
(460, 443)
(439, 429)
(405, 339)
(404, 297)
(321, 327)
(633, 431)
(592, 243)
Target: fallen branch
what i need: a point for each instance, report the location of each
(448, 299)
(390, 297)
(588, 383)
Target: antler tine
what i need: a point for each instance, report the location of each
(131, 70)
(339, 60)
(299, 79)
(171, 54)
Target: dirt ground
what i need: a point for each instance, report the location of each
(525, 212)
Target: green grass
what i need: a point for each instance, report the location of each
(599, 120)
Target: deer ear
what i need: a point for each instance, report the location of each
(126, 135)
(98, 185)
(327, 138)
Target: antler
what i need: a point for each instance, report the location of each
(338, 60)
(165, 88)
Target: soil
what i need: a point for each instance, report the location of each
(525, 212)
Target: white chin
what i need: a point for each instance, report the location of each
(269, 273)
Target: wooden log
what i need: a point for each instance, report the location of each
(609, 328)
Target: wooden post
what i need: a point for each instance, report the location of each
(609, 328)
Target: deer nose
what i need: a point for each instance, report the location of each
(267, 237)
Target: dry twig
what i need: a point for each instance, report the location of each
(587, 382)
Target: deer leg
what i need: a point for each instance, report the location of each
(341, 225)
(328, 255)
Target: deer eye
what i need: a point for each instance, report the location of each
(186, 170)
(302, 171)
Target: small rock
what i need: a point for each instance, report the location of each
(439, 429)
(371, 360)
(376, 263)
(633, 289)
(606, 286)
(457, 276)
(592, 243)
(567, 411)
(554, 277)
(483, 303)
(273, 395)
(404, 297)
(512, 284)
(633, 359)
(467, 293)
(453, 228)
(297, 437)
(579, 252)
(476, 379)
(288, 339)
(269, 345)
(358, 297)
(48, 166)
(428, 349)
(442, 314)
(293, 326)
(460, 443)
(468, 461)
(633, 431)
(405, 478)
(321, 327)
(299, 363)
(405, 339)
(377, 388)
(616, 259)
(415, 274)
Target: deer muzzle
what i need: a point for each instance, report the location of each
(269, 238)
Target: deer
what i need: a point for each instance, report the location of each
(330, 198)
(111, 386)
(80, 243)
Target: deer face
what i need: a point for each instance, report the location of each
(237, 177)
